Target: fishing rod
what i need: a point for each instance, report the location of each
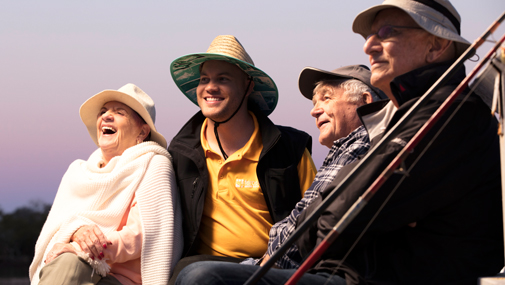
(362, 164)
(362, 201)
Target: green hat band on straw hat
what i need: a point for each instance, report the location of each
(186, 72)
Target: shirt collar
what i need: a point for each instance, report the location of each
(251, 150)
(415, 83)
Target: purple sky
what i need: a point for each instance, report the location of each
(56, 54)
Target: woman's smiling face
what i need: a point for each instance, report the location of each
(118, 128)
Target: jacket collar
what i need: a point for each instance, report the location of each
(377, 115)
(270, 134)
(189, 134)
(415, 83)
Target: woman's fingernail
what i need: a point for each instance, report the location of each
(104, 245)
(92, 257)
(101, 254)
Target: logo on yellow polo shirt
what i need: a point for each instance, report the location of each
(242, 183)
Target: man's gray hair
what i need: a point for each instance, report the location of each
(353, 88)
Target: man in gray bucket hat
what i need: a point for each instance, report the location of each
(439, 220)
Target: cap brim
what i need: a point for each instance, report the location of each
(89, 112)
(309, 76)
(186, 75)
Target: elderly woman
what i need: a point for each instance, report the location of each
(116, 217)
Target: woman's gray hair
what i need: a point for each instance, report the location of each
(353, 88)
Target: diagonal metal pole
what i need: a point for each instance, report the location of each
(373, 152)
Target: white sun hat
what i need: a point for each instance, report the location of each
(130, 95)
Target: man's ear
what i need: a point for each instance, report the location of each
(366, 98)
(251, 87)
(441, 50)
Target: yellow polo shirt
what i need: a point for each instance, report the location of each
(235, 219)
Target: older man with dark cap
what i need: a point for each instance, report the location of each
(439, 221)
(336, 95)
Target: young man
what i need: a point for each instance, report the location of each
(442, 223)
(237, 172)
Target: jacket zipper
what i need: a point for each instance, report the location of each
(195, 183)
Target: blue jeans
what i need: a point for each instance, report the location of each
(215, 272)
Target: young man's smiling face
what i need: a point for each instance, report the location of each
(221, 88)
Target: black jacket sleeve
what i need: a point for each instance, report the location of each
(451, 189)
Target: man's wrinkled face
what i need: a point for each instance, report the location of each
(404, 49)
(335, 116)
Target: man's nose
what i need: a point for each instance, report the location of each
(316, 111)
(211, 86)
(372, 44)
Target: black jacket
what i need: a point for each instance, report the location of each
(283, 147)
(453, 194)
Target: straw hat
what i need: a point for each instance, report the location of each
(186, 71)
(131, 96)
(437, 17)
(309, 76)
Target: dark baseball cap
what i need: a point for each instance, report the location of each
(309, 76)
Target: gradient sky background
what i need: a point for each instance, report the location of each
(56, 54)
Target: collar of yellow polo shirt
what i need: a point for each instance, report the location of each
(235, 219)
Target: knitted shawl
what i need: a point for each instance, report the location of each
(89, 194)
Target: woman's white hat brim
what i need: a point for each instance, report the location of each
(89, 110)
(426, 17)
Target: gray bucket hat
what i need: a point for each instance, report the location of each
(186, 72)
(437, 17)
(309, 76)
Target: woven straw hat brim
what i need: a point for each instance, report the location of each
(186, 75)
(427, 18)
(89, 112)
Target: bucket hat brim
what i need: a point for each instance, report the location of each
(89, 112)
(426, 17)
(185, 72)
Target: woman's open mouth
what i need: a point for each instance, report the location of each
(108, 130)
